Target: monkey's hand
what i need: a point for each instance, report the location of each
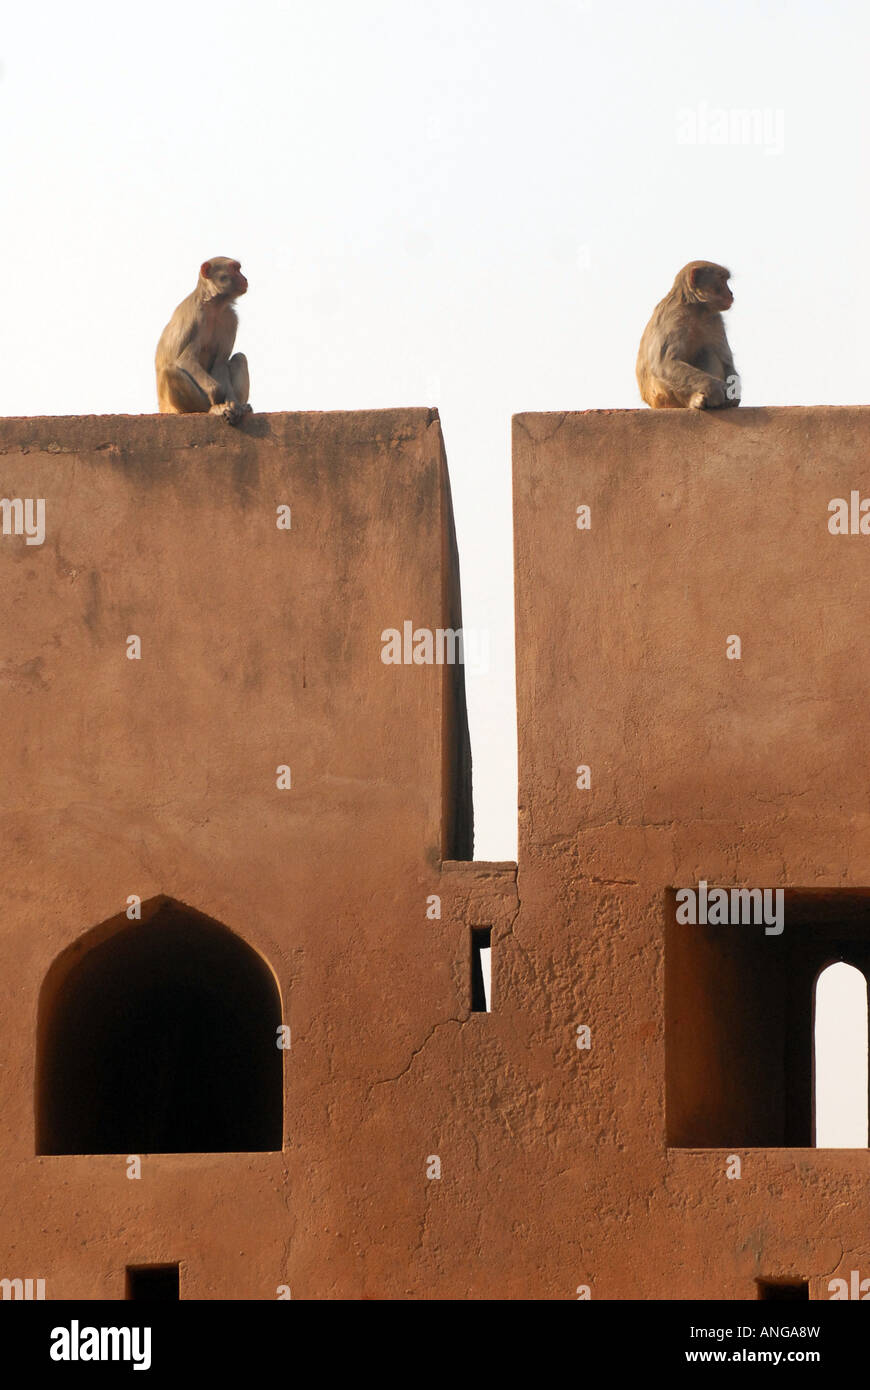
(710, 398)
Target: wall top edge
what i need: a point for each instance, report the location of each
(755, 412)
(342, 430)
(422, 414)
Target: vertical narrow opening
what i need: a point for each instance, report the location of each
(784, 1290)
(457, 810)
(840, 1058)
(153, 1283)
(481, 970)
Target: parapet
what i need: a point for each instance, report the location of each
(692, 674)
(259, 568)
(703, 528)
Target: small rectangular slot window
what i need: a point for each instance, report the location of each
(784, 1290)
(481, 970)
(153, 1283)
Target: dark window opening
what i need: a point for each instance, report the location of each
(160, 1037)
(481, 970)
(153, 1283)
(739, 1019)
(784, 1290)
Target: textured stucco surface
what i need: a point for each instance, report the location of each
(742, 773)
(157, 777)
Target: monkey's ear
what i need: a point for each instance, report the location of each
(205, 270)
(694, 276)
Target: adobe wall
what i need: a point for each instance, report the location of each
(560, 1167)
(157, 777)
(739, 772)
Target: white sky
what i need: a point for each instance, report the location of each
(463, 204)
(841, 1058)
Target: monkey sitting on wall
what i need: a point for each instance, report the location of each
(684, 358)
(195, 371)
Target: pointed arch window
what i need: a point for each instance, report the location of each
(159, 1036)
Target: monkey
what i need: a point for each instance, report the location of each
(195, 371)
(684, 358)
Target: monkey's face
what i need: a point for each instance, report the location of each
(709, 286)
(225, 275)
(719, 297)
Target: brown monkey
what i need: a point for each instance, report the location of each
(195, 371)
(684, 358)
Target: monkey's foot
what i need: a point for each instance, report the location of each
(231, 411)
(709, 399)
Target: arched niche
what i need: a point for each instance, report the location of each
(159, 1036)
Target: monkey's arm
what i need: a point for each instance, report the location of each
(687, 381)
(182, 349)
(214, 360)
(689, 385)
(188, 361)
